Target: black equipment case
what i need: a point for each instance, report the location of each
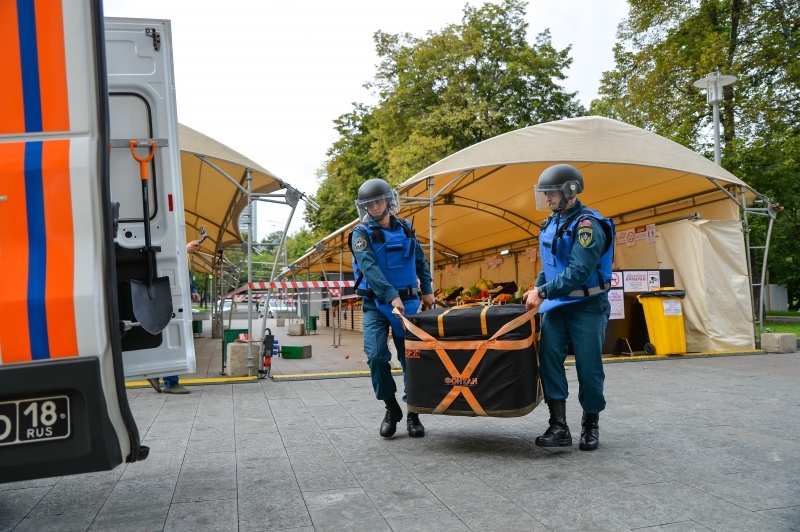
(473, 360)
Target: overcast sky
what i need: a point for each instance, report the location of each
(267, 78)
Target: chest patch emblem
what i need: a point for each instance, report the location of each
(360, 243)
(585, 236)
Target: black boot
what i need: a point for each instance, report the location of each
(590, 432)
(415, 428)
(557, 434)
(393, 415)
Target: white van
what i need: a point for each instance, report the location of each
(95, 238)
(277, 309)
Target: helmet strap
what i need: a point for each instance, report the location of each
(564, 203)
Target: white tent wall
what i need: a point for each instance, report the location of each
(528, 270)
(639, 256)
(642, 255)
(708, 258)
(714, 320)
(500, 273)
(461, 276)
(515, 267)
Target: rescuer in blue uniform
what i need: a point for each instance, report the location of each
(576, 245)
(387, 262)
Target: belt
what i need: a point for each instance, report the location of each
(588, 291)
(402, 292)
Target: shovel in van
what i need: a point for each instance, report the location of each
(151, 298)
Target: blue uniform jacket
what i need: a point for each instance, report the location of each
(368, 262)
(594, 249)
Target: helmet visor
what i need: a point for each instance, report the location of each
(555, 197)
(548, 197)
(377, 207)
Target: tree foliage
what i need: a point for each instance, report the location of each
(666, 45)
(265, 254)
(439, 94)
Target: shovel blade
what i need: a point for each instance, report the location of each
(152, 305)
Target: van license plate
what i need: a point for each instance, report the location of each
(32, 420)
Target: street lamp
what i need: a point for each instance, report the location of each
(713, 84)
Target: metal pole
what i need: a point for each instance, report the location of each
(713, 84)
(339, 307)
(717, 155)
(764, 287)
(431, 221)
(250, 206)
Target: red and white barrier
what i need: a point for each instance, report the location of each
(334, 288)
(301, 284)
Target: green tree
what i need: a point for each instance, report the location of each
(264, 253)
(467, 83)
(666, 45)
(440, 94)
(299, 243)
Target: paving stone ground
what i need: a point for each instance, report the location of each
(685, 444)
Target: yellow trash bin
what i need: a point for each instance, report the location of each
(663, 313)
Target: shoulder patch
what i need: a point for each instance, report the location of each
(360, 243)
(585, 235)
(585, 223)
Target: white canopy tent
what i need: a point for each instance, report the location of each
(479, 203)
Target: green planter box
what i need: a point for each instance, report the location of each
(296, 351)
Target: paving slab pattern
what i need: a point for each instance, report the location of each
(685, 444)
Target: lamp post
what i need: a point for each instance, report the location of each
(713, 84)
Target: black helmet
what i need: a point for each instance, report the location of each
(562, 178)
(372, 189)
(375, 190)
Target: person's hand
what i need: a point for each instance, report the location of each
(398, 304)
(532, 299)
(192, 247)
(428, 300)
(195, 297)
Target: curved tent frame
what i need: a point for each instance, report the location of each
(629, 174)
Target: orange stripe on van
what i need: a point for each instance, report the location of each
(12, 117)
(52, 65)
(14, 337)
(59, 291)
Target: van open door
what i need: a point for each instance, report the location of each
(67, 235)
(143, 112)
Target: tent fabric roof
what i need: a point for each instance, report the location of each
(209, 198)
(483, 195)
(589, 139)
(334, 258)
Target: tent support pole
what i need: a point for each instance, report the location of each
(250, 225)
(752, 261)
(430, 222)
